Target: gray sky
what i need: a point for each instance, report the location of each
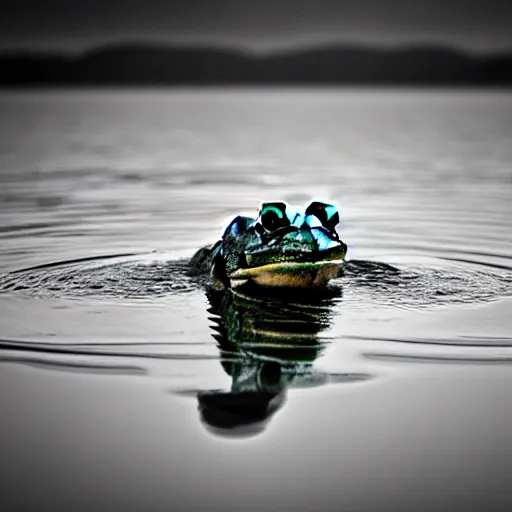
(258, 24)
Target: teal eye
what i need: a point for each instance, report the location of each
(274, 209)
(327, 214)
(333, 217)
(273, 216)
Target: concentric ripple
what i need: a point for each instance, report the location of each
(422, 285)
(116, 276)
(414, 286)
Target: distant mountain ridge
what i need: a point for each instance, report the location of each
(152, 64)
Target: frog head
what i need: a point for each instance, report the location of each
(283, 246)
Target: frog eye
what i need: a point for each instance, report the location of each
(272, 217)
(327, 214)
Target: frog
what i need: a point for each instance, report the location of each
(283, 246)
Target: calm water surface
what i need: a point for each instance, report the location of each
(110, 353)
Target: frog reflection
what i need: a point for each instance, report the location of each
(267, 344)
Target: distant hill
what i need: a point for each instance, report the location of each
(145, 64)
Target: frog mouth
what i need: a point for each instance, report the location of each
(256, 260)
(291, 269)
(287, 255)
(288, 274)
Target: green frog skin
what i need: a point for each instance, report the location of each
(284, 246)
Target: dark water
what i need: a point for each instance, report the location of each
(125, 386)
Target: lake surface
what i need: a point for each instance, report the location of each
(110, 352)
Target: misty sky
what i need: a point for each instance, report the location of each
(258, 24)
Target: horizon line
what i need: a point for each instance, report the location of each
(249, 52)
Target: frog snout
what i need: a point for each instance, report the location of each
(298, 240)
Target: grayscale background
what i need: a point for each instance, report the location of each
(132, 132)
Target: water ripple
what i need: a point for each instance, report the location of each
(74, 366)
(422, 286)
(461, 341)
(98, 349)
(437, 282)
(437, 359)
(111, 276)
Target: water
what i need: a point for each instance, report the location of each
(389, 394)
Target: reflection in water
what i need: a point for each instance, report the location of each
(266, 344)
